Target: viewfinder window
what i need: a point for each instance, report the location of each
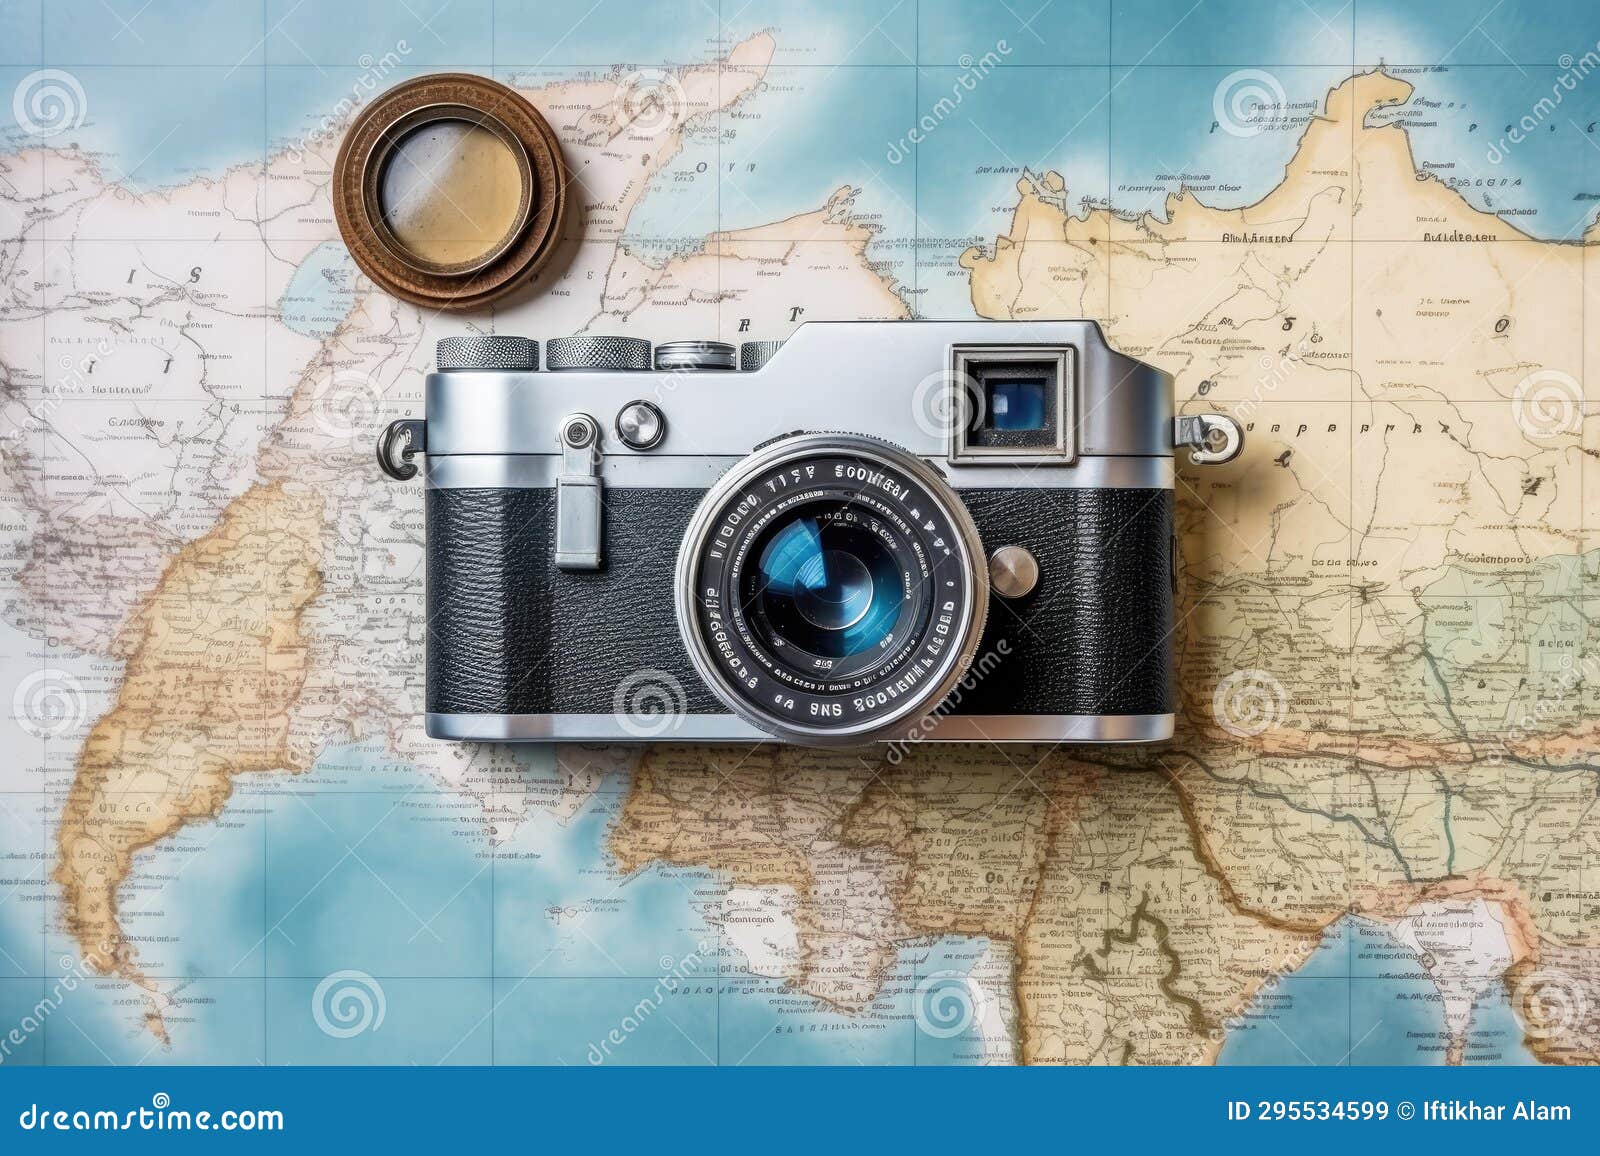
(1016, 404)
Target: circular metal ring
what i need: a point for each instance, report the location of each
(1223, 440)
(382, 153)
(640, 425)
(510, 263)
(736, 490)
(579, 431)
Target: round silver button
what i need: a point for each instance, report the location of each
(641, 425)
(1013, 571)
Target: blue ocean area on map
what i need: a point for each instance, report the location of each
(1126, 115)
(321, 292)
(1362, 998)
(520, 955)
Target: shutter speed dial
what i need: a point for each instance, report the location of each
(605, 354)
(486, 351)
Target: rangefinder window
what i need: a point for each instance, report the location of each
(1016, 405)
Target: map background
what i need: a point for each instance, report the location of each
(261, 906)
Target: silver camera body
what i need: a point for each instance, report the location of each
(875, 531)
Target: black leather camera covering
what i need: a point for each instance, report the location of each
(1093, 637)
(509, 633)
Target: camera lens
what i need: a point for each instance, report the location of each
(824, 585)
(831, 587)
(833, 593)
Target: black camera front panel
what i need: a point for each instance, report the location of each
(1094, 637)
(510, 633)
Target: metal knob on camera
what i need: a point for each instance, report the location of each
(1013, 572)
(606, 354)
(755, 354)
(486, 351)
(694, 355)
(641, 425)
(399, 442)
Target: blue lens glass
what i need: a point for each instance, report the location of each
(828, 586)
(1017, 403)
(834, 590)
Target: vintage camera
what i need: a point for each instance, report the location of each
(874, 531)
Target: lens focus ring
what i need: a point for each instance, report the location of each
(832, 589)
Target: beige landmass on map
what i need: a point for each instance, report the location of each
(736, 272)
(1373, 329)
(220, 657)
(131, 425)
